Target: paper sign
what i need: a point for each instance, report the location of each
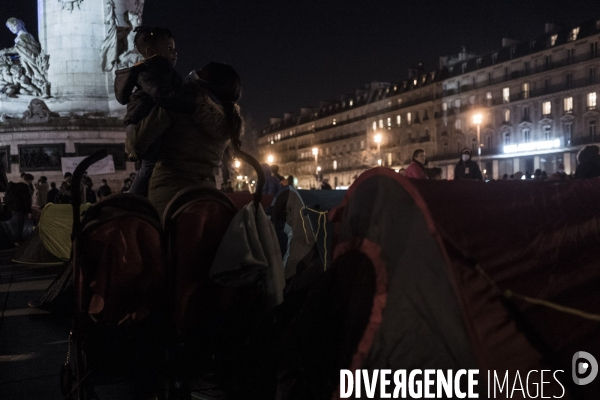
(104, 166)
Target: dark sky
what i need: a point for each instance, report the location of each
(293, 54)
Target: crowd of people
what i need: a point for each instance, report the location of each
(24, 199)
(588, 166)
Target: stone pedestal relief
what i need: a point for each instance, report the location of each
(69, 5)
(38, 113)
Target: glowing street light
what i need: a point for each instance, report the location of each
(270, 159)
(237, 163)
(477, 121)
(377, 138)
(315, 151)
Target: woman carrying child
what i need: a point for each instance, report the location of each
(192, 144)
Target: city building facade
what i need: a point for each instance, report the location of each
(529, 105)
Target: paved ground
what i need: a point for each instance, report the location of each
(32, 342)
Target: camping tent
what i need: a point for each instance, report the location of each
(499, 276)
(50, 243)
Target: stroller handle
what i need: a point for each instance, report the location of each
(76, 186)
(260, 183)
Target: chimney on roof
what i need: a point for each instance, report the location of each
(550, 27)
(305, 110)
(508, 42)
(275, 120)
(287, 116)
(415, 72)
(444, 61)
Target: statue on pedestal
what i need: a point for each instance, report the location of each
(30, 72)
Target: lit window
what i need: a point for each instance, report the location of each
(381, 123)
(374, 125)
(525, 90)
(568, 102)
(546, 108)
(415, 82)
(472, 100)
(389, 122)
(399, 101)
(506, 95)
(334, 121)
(457, 103)
(574, 33)
(334, 164)
(507, 115)
(362, 144)
(444, 106)
(553, 40)
(398, 119)
(458, 124)
(408, 118)
(547, 132)
(526, 135)
(351, 103)
(591, 100)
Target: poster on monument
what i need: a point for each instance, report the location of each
(104, 166)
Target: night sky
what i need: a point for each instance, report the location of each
(294, 54)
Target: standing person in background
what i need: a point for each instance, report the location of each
(589, 163)
(275, 172)
(416, 169)
(272, 184)
(126, 185)
(467, 168)
(42, 188)
(19, 200)
(325, 184)
(290, 180)
(559, 174)
(53, 194)
(104, 190)
(65, 189)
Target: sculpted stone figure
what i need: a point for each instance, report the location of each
(69, 5)
(31, 58)
(109, 52)
(132, 55)
(38, 113)
(118, 50)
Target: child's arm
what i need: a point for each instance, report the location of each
(142, 135)
(165, 86)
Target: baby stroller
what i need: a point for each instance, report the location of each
(210, 320)
(120, 321)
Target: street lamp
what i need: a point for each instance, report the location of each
(270, 159)
(315, 152)
(377, 139)
(237, 163)
(477, 121)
